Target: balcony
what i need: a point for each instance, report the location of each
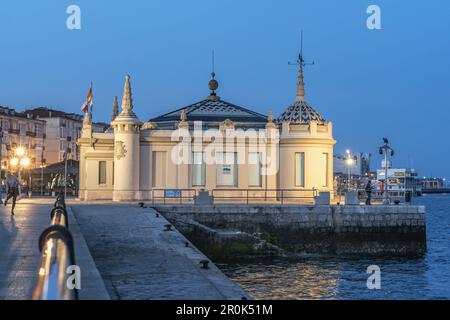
(31, 133)
(13, 131)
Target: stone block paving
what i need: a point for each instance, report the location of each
(138, 260)
(20, 256)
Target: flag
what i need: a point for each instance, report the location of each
(88, 103)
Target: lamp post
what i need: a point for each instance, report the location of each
(20, 161)
(42, 175)
(387, 151)
(349, 161)
(66, 153)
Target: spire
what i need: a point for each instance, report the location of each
(115, 111)
(87, 120)
(213, 84)
(127, 100)
(300, 81)
(86, 131)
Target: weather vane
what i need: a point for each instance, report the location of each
(301, 61)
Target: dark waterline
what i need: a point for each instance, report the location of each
(333, 277)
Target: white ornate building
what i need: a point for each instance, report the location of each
(210, 145)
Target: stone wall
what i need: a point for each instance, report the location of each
(378, 230)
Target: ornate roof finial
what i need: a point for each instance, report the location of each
(127, 100)
(213, 84)
(270, 117)
(301, 63)
(115, 111)
(183, 115)
(87, 120)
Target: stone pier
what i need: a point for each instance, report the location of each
(373, 230)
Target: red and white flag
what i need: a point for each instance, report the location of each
(88, 103)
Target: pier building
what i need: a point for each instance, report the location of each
(212, 145)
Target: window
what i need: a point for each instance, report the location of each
(198, 169)
(325, 170)
(159, 169)
(227, 169)
(254, 169)
(102, 172)
(300, 169)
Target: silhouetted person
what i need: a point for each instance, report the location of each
(12, 184)
(369, 192)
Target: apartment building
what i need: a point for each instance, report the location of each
(62, 131)
(19, 129)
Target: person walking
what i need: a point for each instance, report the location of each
(12, 185)
(369, 192)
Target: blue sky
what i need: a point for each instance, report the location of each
(392, 82)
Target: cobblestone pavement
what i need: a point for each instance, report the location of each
(139, 260)
(20, 256)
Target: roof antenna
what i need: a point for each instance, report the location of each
(213, 84)
(213, 74)
(301, 63)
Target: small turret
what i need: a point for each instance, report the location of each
(126, 149)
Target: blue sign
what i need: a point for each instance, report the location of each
(172, 193)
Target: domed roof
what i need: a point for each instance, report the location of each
(300, 112)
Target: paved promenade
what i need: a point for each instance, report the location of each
(20, 256)
(139, 260)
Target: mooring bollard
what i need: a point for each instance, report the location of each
(141, 204)
(204, 264)
(157, 215)
(186, 244)
(168, 227)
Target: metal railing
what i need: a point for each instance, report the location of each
(57, 254)
(377, 197)
(226, 195)
(282, 196)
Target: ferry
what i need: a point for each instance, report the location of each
(401, 182)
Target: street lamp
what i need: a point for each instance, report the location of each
(20, 151)
(66, 153)
(42, 166)
(349, 162)
(387, 151)
(25, 162)
(21, 161)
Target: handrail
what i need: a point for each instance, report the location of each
(56, 246)
(281, 195)
(257, 195)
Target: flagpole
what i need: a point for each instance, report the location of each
(92, 100)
